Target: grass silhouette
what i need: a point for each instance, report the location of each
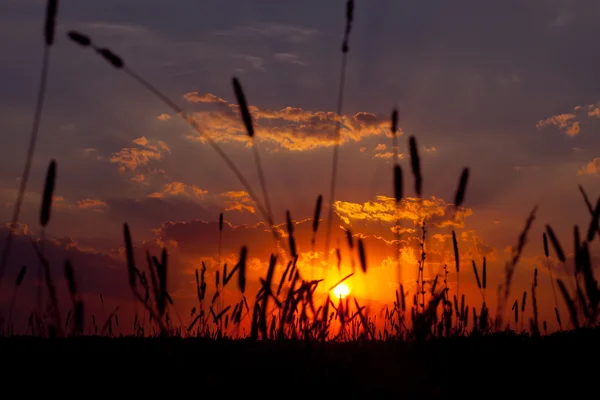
(49, 35)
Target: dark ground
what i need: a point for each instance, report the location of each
(489, 367)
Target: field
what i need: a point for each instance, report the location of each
(292, 337)
(496, 365)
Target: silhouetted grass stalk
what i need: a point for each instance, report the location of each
(398, 188)
(315, 228)
(49, 28)
(18, 283)
(547, 262)
(247, 119)
(339, 108)
(458, 200)
(415, 164)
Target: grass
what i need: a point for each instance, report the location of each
(498, 365)
(292, 331)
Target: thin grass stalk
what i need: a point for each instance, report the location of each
(457, 263)
(588, 205)
(338, 126)
(221, 299)
(40, 275)
(547, 261)
(315, 228)
(49, 26)
(398, 187)
(18, 282)
(247, 119)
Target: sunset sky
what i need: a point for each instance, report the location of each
(509, 89)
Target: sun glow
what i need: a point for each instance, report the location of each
(342, 290)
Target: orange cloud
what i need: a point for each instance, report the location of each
(570, 122)
(195, 97)
(139, 178)
(60, 203)
(163, 117)
(591, 168)
(197, 191)
(386, 155)
(290, 128)
(179, 189)
(238, 201)
(594, 110)
(435, 210)
(131, 158)
(567, 122)
(97, 205)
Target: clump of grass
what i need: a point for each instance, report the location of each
(509, 269)
(134, 274)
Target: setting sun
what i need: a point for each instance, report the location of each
(342, 290)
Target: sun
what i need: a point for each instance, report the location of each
(342, 290)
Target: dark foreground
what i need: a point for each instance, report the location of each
(489, 367)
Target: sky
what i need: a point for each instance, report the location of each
(508, 89)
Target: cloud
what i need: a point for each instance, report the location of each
(164, 117)
(289, 58)
(570, 122)
(285, 33)
(567, 122)
(290, 128)
(116, 28)
(238, 201)
(594, 110)
(94, 272)
(387, 155)
(97, 273)
(131, 158)
(257, 63)
(96, 205)
(436, 211)
(195, 97)
(179, 189)
(591, 168)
